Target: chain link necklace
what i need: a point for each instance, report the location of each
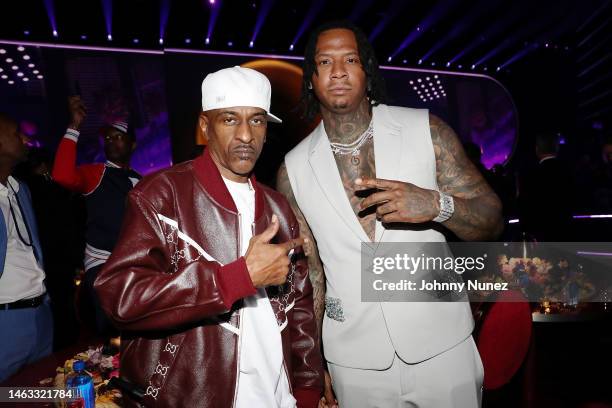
(353, 148)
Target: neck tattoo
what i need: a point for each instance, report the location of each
(353, 148)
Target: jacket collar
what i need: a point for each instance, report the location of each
(208, 175)
(388, 150)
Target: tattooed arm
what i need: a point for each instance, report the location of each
(477, 215)
(315, 267)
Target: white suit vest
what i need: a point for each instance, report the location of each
(370, 334)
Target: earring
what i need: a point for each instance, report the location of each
(310, 85)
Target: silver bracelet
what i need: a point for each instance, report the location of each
(447, 208)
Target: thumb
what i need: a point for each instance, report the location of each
(271, 231)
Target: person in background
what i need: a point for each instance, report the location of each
(105, 187)
(26, 321)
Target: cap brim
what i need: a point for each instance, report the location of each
(273, 119)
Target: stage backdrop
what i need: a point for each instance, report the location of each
(161, 93)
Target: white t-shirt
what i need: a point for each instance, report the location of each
(22, 277)
(262, 381)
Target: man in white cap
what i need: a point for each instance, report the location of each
(105, 187)
(208, 280)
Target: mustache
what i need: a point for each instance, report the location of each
(244, 148)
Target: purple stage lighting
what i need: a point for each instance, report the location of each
(291, 47)
(315, 8)
(251, 44)
(83, 37)
(51, 14)
(393, 11)
(212, 20)
(436, 14)
(107, 8)
(264, 10)
(164, 12)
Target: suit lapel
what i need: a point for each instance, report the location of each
(388, 150)
(324, 168)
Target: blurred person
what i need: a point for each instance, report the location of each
(547, 193)
(60, 214)
(105, 187)
(26, 321)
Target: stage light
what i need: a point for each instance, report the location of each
(31, 65)
(187, 40)
(423, 86)
(438, 82)
(389, 59)
(427, 78)
(4, 76)
(546, 45)
(411, 82)
(419, 80)
(498, 69)
(207, 41)
(211, 1)
(1, 70)
(109, 37)
(433, 64)
(35, 72)
(459, 66)
(2, 51)
(420, 61)
(161, 41)
(39, 76)
(448, 64)
(20, 74)
(25, 79)
(26, 32)
(21, 48)
(251, 44)
(26, 57)
(14, 67)
(473, 66)
(135, 40)
(55, 33)
(9, 60)
(435, 76)
(415, 88)
(11, 82)
(291, 47)
(83, 37)
(404, 61)
(230, 44)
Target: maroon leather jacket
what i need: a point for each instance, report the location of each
(179, 309)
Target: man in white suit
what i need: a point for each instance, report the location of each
(385, 354)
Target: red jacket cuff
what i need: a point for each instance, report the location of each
(235, 282)
(307, 397)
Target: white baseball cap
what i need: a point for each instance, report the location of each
(237, 86)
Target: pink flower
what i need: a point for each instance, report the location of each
(116, 359)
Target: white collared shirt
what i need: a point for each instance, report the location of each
(22, 277)
(262, 380)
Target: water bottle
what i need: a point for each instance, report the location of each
(81, 385)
